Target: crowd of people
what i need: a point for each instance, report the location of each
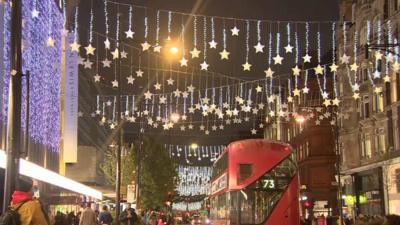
(359, 220)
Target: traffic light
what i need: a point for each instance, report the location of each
(307, 204)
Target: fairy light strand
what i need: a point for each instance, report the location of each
(269, 48)
(91, 26)
(258, 30)
(146, 28)
(307, 37)
(288, 33)
(106, 17)
(130, 18)
(195, 31)
(169, 24)
(157, 27)
(76, 36)
(205, 38)
(247, 39)
(297, 48)
(212, 28)
(319, 46)
(333, 42)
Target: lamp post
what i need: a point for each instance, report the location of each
(14, 105)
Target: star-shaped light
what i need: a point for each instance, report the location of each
(162, 100)
(183, 61)
(386, 78)
(356, 87)
(129, 33)
(34, 13)
(335, 101)
(246, 66)
(90, 49)
(345, 59)
(296, 92)
(148, 95)
(307, 58)
(319, 69)
(170, 81)
(114, 83)
(289, 48)
(75, 46)
(195, 53)
(124, 54)
(177, 93)
(213, 44)
(327, 102)
(235, 31)
(278, 60)
(378, 90)
(106, 63)
(50, 42)
(157, 48)
(97, 78)
(269, 72)
(190, 88)
(376, 74)
(190, 126)
(204, 66)
(305, 90)
(296, 71)
(253, 131)
(290, 98)
(378, 55)
(389, 57)
(202, 127)
(185, 94)
(157, 86)
(258, 89)
(396, 66)
(325, 95)
(333, 67)
(224, 54)
(87, 64)
(205, 100)
(139, 73)
(107, 44)
(130, 79)
(259, 47)
(145, 46)
(356, 95)
(115, 53)
(354, 67)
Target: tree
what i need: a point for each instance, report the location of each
(157, 176)
(127, 165)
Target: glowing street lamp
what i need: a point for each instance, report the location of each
(173, 50)
(300, 119)
(194, 146)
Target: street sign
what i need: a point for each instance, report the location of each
(131, 193)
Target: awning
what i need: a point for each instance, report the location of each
(34, 171)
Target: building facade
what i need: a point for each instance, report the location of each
(369, 126)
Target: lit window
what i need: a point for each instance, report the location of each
(378, 102)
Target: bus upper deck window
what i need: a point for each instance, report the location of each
(245, 171)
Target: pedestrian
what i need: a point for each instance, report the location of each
(30, 210)
(128, 216)
(59, 219)
(88, 216)
(392, 220)
(105, 217)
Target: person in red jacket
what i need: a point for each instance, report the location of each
(30, 209)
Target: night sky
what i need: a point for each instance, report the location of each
(282, 10)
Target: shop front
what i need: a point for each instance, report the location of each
(369, 195)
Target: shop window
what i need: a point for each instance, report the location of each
(378, 102)
(366, 151)
(365, 107)
(380, 141)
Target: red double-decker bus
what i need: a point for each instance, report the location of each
(255, 182)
